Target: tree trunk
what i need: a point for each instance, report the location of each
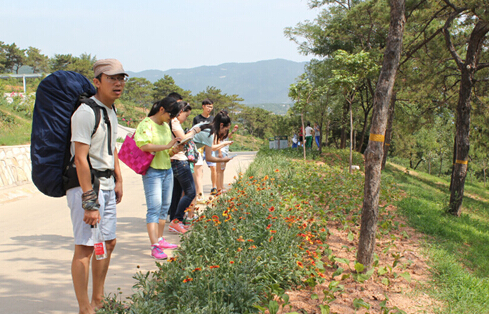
(467, 69)
(366, 114)
(388, 131)
(351, 137)
(374, 151)
(343, 126)
(326, 133)
(419, 161)
(303, 135)
(441, 165)
(484, 170)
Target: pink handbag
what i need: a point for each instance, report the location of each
(134, 157)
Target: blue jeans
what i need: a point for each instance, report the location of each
(317, 140)
(182, 181)
(158, 186)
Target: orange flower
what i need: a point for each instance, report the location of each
(271, 209)
(271, 238)
(240, 239)
(188, 279)
(250, 240)
(251, 177)
(269, 226)
(172, 259)
(266, 177)
(231, 262)
(300, 264)
(240, 249)
(197, 269)
(252, 247)
(273, 231)
(214, 266)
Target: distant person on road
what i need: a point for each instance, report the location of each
(154, 134)
(309, 134)
(208, 140)
(89, 207)
(223, 152)
(183, 180)
(205, 117)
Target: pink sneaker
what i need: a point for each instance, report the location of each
(165, 245)
(177, 226)
(158, 253)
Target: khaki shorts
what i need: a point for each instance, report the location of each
(81, 231)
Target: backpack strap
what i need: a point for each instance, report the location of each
(70, 176)
(96, 110)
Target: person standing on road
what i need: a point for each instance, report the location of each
(210, 139)
(223, 152)
(183, 180)
(154, 135)
(86, 205)
(205, 117)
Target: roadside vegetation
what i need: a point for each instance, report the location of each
(283, 240)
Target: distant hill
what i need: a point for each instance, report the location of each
(261, 82)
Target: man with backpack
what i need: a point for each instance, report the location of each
(95, 159)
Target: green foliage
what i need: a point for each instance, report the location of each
(240, 254)
(67, 62)
(15, 123)
(459, 245)
(138, 91)
(166, 85)
(11, 57)
(36, 60)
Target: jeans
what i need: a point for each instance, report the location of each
(158, 186)
(317, 140)
(182, 181)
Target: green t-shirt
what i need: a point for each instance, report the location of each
(149, 132)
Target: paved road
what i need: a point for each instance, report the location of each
(36, 245)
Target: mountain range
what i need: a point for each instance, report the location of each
(258, 83)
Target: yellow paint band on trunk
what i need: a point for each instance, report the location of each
(377, 137)
(462, 162)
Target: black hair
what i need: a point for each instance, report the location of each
(207, 101)
(169, 104)
(186, 106)
(175, 95)
(215, 126)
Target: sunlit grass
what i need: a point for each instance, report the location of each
(458, 247)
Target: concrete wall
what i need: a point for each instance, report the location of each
(15, 165)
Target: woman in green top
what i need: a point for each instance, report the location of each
(154, 135)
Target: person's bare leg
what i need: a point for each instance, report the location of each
(213, 176)
(153, 229)
(99, 272)
(198, 177)
(220, 177)
(161, 228)
(79, 273)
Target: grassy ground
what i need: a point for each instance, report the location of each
(458, 247)
(14, 129)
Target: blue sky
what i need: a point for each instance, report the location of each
(155, 34)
